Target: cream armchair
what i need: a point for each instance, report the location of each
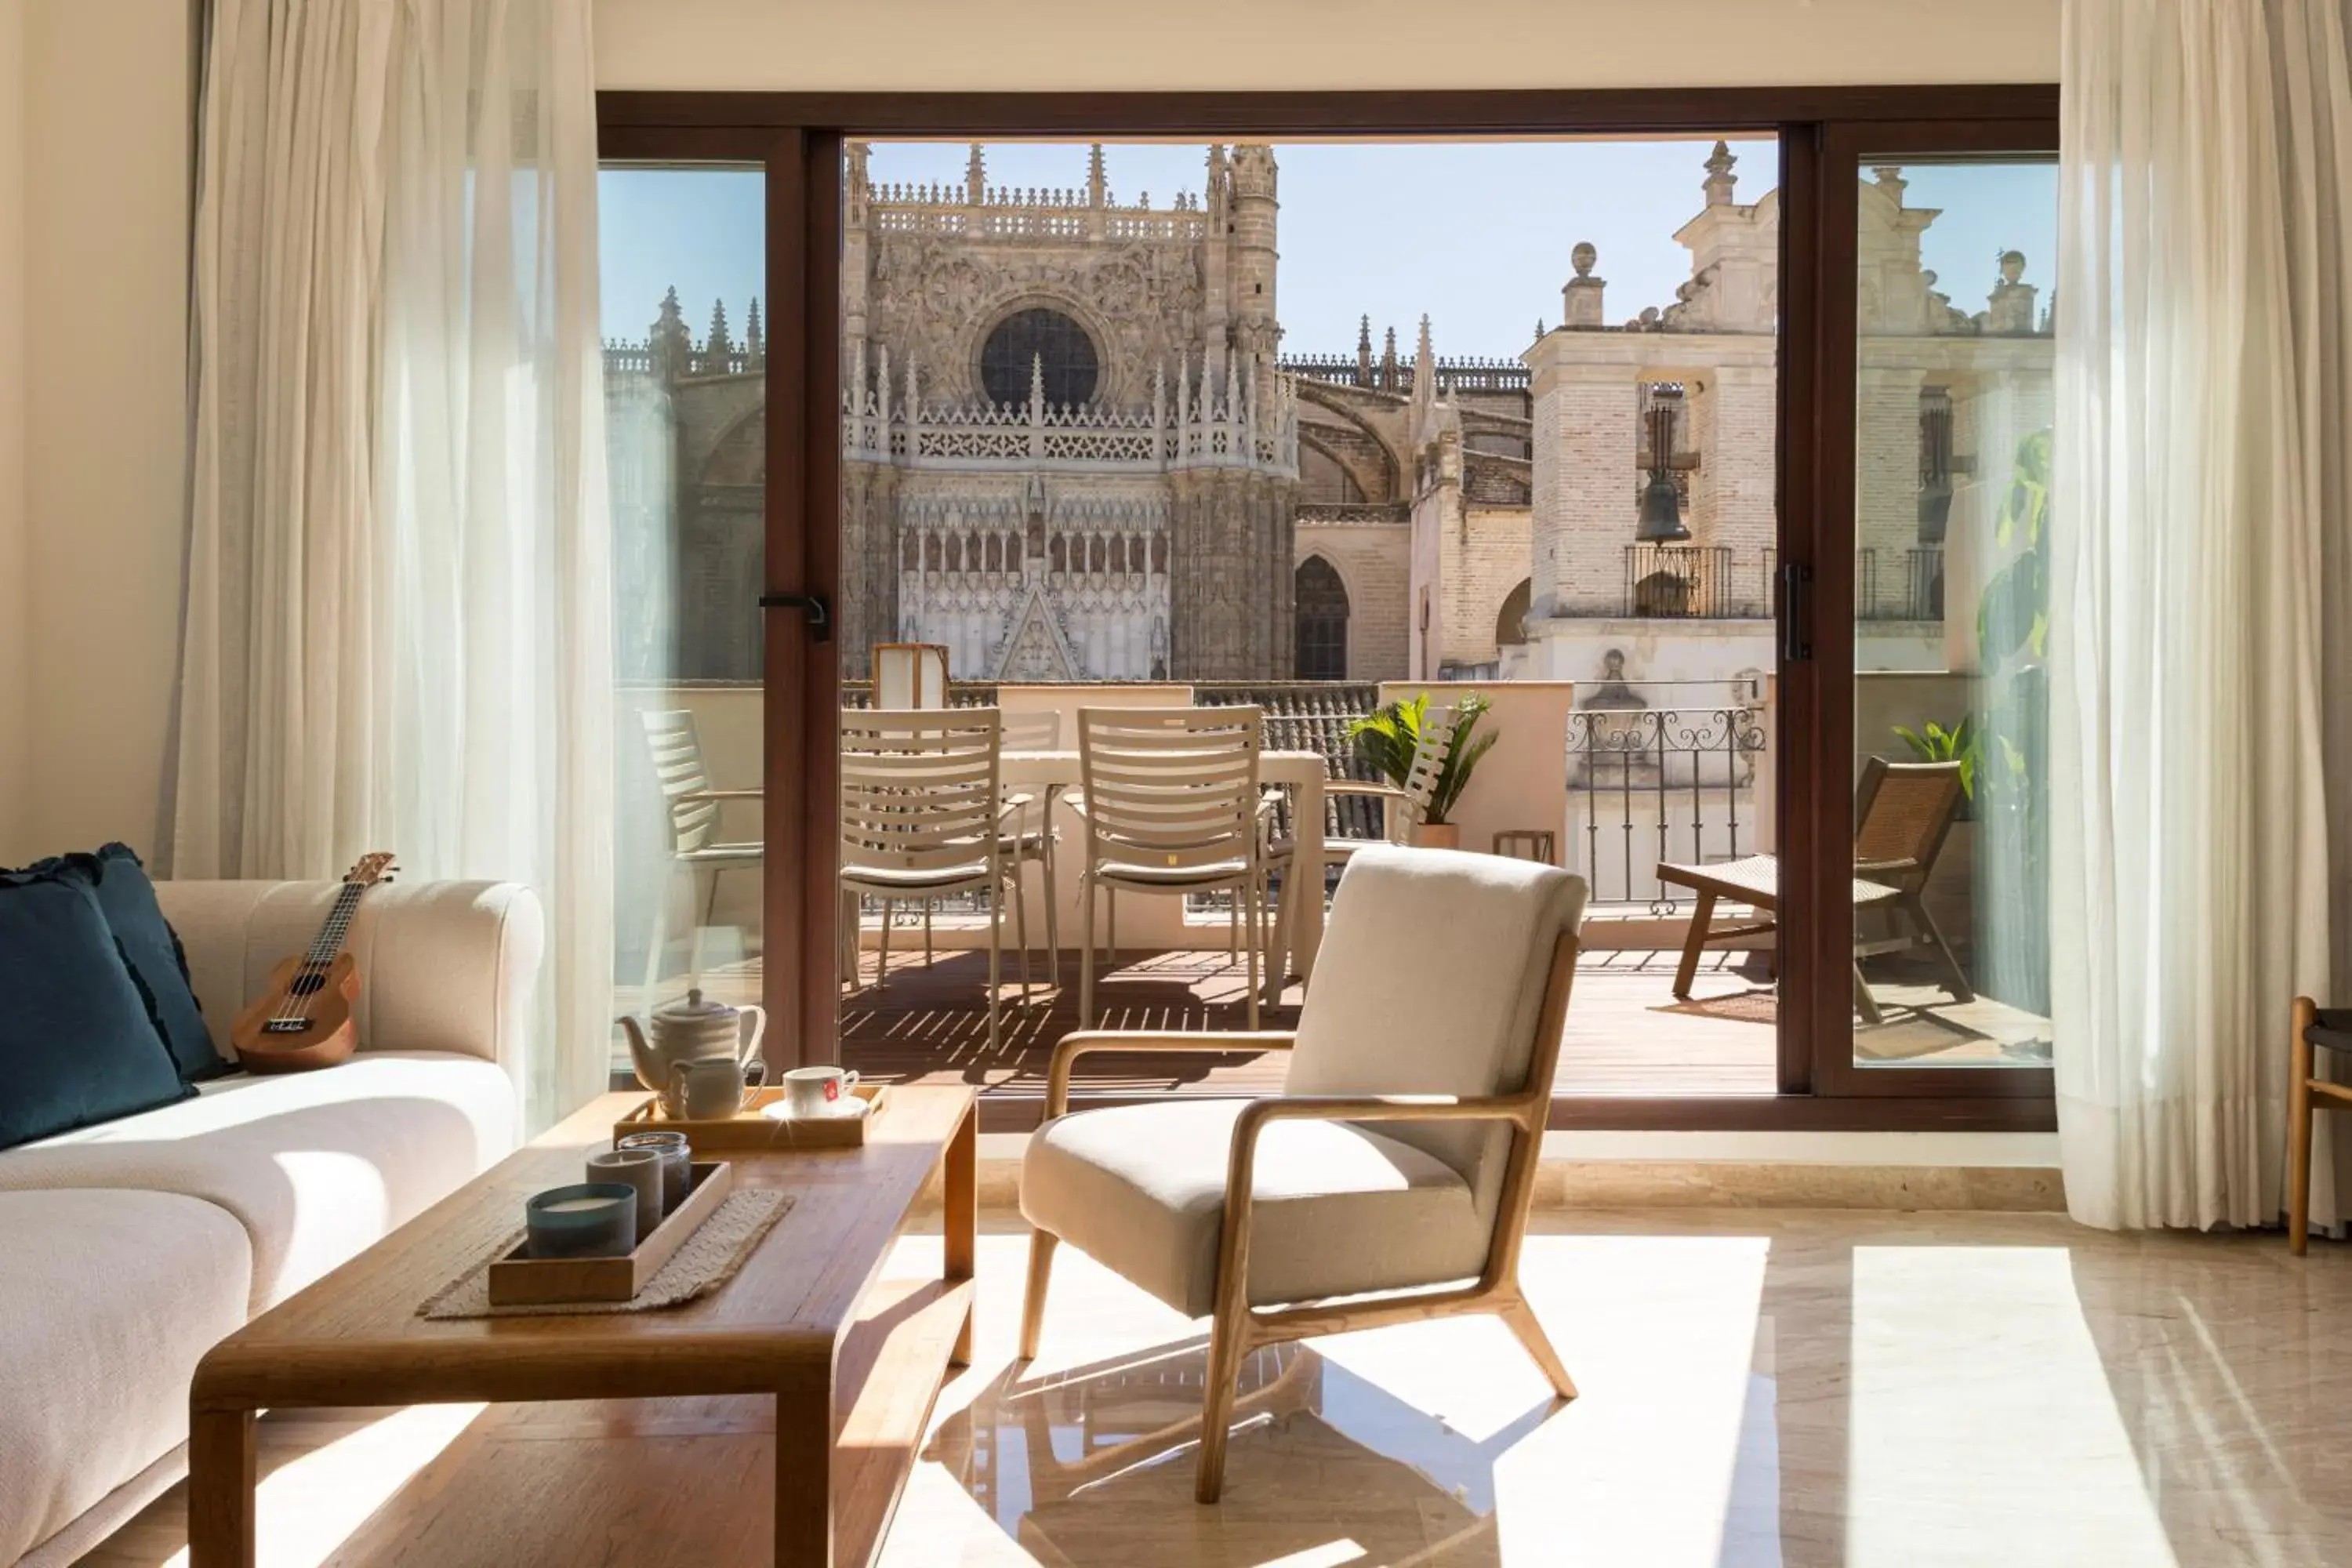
(1400, 1157)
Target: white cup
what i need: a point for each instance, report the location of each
(819, 1091)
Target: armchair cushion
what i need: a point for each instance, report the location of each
(1336, 1208)
(1430, 982)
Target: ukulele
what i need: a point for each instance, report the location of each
(303, 1018)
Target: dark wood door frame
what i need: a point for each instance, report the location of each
(798, 137)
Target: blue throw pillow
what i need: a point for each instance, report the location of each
(152, 949)
(78, 1043)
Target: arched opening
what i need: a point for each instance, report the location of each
(1321, 601)
(1043, 344)
(1510, 621)
(1662, 594)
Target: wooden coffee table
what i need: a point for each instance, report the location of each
(853, 1363)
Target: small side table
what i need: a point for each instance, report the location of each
(1529, 844)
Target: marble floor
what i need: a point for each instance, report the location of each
(1758, 1388)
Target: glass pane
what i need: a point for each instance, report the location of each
(1144, 424)
(684, 262)
(1952, 464)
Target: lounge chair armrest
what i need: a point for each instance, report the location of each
(1874, 868)
(1086, 1042)
(722, 794)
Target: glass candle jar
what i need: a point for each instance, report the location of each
(677, 1157)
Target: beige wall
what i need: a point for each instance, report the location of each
(1085, 44)
(104, 216)
(16, 642)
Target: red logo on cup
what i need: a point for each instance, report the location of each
(833, 1089)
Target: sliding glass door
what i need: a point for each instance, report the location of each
(1739, 548)
(1949, 238)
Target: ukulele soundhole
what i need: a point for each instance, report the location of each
(303, 984)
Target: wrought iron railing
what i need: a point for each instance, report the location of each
(1671, 783)
(1916, 595)
(1684, 582)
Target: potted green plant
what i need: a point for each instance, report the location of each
(1387, 740)
(1934, 744)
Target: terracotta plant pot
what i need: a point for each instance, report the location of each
(1438, 835)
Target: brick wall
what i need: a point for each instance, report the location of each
(1485, 558)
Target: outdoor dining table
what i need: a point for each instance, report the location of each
(1301, 915)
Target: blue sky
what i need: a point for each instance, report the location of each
(1477, 235)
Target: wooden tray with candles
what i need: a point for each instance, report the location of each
(519, 1279)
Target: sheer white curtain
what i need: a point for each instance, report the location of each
(398, 627)
(2200, 789)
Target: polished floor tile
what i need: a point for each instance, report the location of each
(1758, 1388)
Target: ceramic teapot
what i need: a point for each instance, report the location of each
(687, 1031)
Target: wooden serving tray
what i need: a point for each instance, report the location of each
(519, 1279)
(751, 1129)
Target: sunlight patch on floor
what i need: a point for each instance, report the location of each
(1982, 1425)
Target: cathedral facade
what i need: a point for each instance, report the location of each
(1067, 454)
(1072, 451)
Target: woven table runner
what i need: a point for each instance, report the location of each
(709, 1258)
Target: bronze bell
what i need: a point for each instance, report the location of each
(1662, 513)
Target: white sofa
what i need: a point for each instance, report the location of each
(133, 1245)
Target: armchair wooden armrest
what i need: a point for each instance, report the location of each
(1086, 1042)
(724, 795)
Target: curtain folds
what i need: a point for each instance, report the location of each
(398, 622)
(2204, 808)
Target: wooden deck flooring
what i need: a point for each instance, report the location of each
(1627, 1036)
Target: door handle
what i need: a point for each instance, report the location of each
(1796, 611)
(819, 613)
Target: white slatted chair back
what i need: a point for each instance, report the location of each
(677, 748)
(1430, 752)
(918, 794)
(1032, 730)
(1169, 788)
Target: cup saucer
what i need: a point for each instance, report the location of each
(852, 1108)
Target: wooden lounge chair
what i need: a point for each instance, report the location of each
(1905, 811)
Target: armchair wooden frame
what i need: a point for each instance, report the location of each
(1237, 1328)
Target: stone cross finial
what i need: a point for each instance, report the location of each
(1719, 177)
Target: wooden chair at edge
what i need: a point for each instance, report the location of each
(2314, 1029)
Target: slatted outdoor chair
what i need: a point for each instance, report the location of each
(922, 819)
(695, 846)
(1906, 810)
(1170, 803)
(1032, 836)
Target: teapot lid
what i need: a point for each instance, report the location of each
(692, 1007)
